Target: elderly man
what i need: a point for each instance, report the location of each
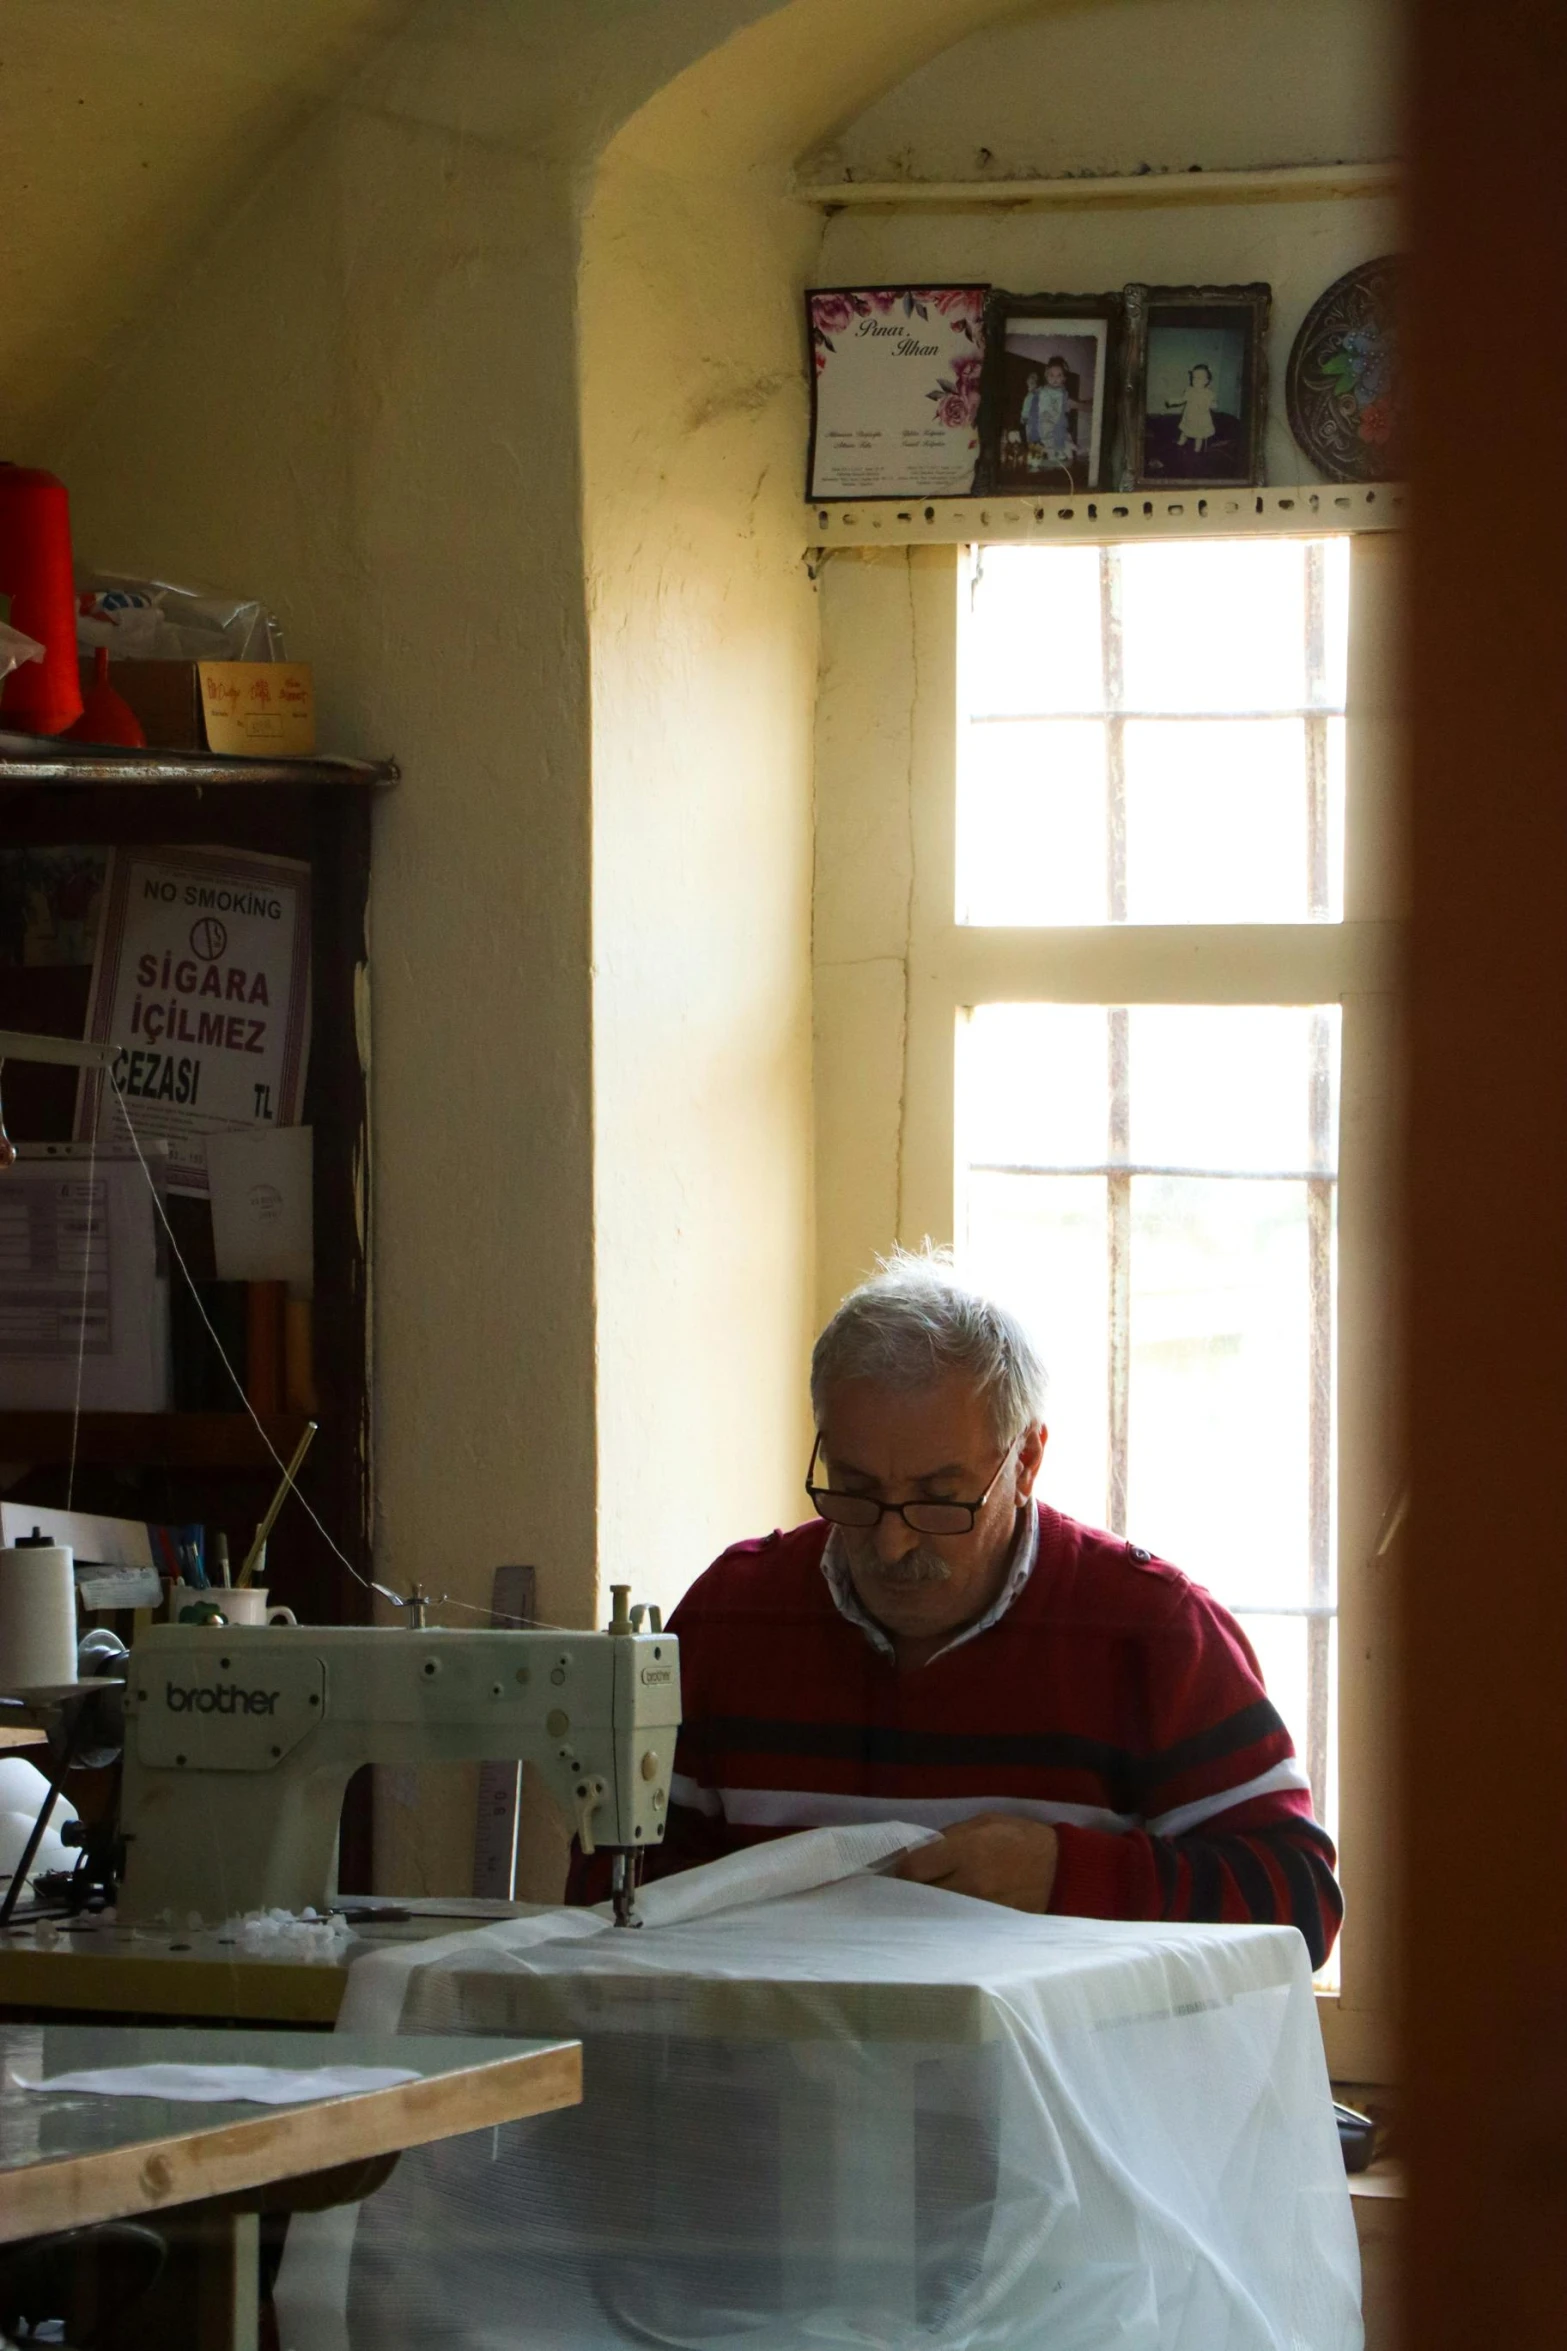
(1087, 1728)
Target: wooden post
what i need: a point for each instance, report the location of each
(225, 2250)
(1485, 1604)
(207, 2297)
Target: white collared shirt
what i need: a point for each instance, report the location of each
(1020, 1566)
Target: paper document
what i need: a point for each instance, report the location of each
(202, 978)
(79, 1276)
(261, 1206)
(224, 2085)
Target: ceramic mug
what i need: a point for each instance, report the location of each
(220, 1604)
(247, 1604)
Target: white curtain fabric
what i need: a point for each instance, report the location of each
(838, 2110)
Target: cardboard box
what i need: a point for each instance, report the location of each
(264, 708)
(166, 697)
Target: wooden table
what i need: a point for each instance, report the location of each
(70, 2159)
(87, 1969)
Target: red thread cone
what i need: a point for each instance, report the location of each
(40, 697)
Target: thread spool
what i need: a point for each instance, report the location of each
(37, 1615)
(39, 697)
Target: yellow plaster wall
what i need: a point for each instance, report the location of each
(127, 132)
(1136, 85)
(702, 626)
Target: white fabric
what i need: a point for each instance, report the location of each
(835, 1567)
(862, 2113)
(219, 2085)
(312, 2291)
(374, 2001)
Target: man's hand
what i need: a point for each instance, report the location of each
(995, 1857)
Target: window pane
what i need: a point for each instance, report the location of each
(1334, 557)
(1030, 643)
(1041, 1243)
(1215, 625)
(1230, 1086)
(1033, 1086)
(1032, 844)
(1216, 820)
(1334, 729)
(1170, 772)
(1218, 1446)
(1219, 1333)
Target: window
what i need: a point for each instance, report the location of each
(1159, 1206)
(1155, 735)
(1106, 939)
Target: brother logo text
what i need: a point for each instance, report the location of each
(225, 1698)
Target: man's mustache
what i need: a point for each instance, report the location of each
(915, 1567)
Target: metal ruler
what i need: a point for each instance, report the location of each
(513, 1603)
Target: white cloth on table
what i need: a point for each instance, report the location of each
(219, 2085)
(860, 2112)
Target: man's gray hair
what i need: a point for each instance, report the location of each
(914, 1322)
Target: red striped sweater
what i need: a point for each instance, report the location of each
(1112, 1698)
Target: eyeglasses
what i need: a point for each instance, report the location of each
(926, 1518)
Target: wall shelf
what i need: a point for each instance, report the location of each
(1295, 183)
(1307, 510)
(151, 1440)
(43, 759)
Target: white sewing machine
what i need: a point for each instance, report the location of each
(240, 1740)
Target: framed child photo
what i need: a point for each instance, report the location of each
(1195, 401)
(1046, 405)
(894, 390)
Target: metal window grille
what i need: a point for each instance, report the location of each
(1119, 1170)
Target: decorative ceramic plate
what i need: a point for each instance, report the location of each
(1342, 387)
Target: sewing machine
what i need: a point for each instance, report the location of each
(240, 1740)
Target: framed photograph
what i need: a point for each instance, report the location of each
(1196, 389)
(1045, 415)
(895, 375)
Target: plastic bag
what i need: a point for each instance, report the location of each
(860, 2113)
(151, 620)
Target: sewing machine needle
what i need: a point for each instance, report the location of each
(623, 1890)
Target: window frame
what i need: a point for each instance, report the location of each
(886, 1033)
